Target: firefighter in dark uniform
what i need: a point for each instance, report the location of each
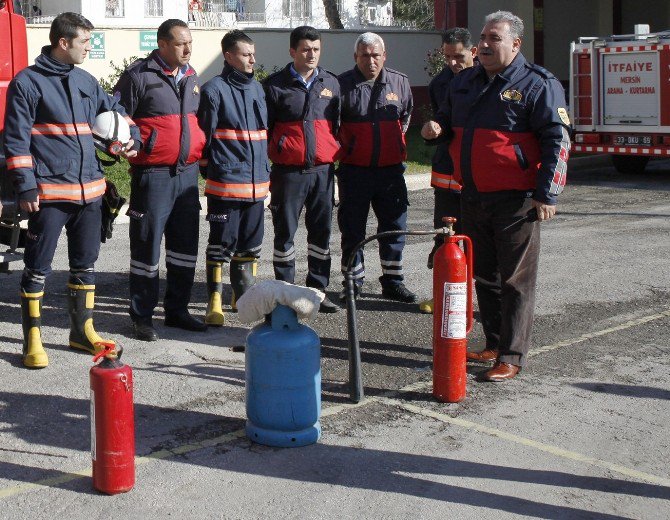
(303, 112)
(459, 54)
(375, 112)
(233, 116)
(51, 107)
(161, 93)
(508, 130)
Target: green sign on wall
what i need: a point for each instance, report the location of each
(97, 46)
(148, 40)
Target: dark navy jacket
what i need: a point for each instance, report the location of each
(443, 168)
(374, 118)
(508, 134)
(51, 107)
(303, 123)
(233, 116)
(165, 113)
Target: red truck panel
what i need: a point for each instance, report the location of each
(13, 51)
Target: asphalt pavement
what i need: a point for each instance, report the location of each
(582, 432)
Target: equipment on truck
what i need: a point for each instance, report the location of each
(620, 97)
(13, 58)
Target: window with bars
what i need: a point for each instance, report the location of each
(297, 9)
(114, 9)
(153, 8)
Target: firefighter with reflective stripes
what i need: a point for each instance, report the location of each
(303, 111)
(162, 94)
(51, 107)
(508, 130)
(459, 54)
(233, 116)
(375, 112)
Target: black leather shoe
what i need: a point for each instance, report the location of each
(183, 320)
(328, 307)
(399, 293)
(144, 330)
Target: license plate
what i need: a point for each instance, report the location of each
(632, 140)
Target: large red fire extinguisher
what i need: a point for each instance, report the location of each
(452, 315)
(112, 423)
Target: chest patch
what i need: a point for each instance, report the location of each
(326, 93)
(392, 96)
(511, 95)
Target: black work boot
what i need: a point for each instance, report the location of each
(242, 276)
(143, 329)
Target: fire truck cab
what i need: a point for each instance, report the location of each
(13, 58)
(620, 97)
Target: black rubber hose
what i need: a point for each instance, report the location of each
(355, 376)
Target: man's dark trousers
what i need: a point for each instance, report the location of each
(506, 251)
(292, 189)
(162, 202)
(384, 190)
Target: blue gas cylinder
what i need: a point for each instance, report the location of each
(283, 381)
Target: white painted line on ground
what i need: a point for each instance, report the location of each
(553, 450)
(591, 335)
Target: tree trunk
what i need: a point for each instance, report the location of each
(332, 15)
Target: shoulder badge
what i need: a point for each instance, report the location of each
(326, 93)
(392, 96)
(196, 89)
(563, 114)
(511, 95)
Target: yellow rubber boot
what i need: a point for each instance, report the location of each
(426, 306)
(242, 276)
(214, 316)
(81, 300)
(34, 355)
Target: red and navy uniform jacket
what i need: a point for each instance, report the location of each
(510, 133)
(51, 107)
(374, 118)
(442, 167)
(233, 116)
(164, 111)
(303, 123)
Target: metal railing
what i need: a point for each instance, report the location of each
(224, 13)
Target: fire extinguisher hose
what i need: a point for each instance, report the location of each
(355, 376)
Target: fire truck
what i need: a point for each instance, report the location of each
(13, 58)
(620, 97)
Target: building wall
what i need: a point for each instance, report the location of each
(655, 13)
(405, 50)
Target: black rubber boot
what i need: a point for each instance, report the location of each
(214, 314)
(34, 355)
(81, 300)
(242, 276)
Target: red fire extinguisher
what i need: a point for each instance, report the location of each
(452, 315)
(112, 422)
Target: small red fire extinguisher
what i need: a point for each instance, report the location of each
(452, 315)
(112, 422)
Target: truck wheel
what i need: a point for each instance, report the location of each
(632, 164)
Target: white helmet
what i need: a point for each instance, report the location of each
(111, 133)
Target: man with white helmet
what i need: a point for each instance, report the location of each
(51, 160)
